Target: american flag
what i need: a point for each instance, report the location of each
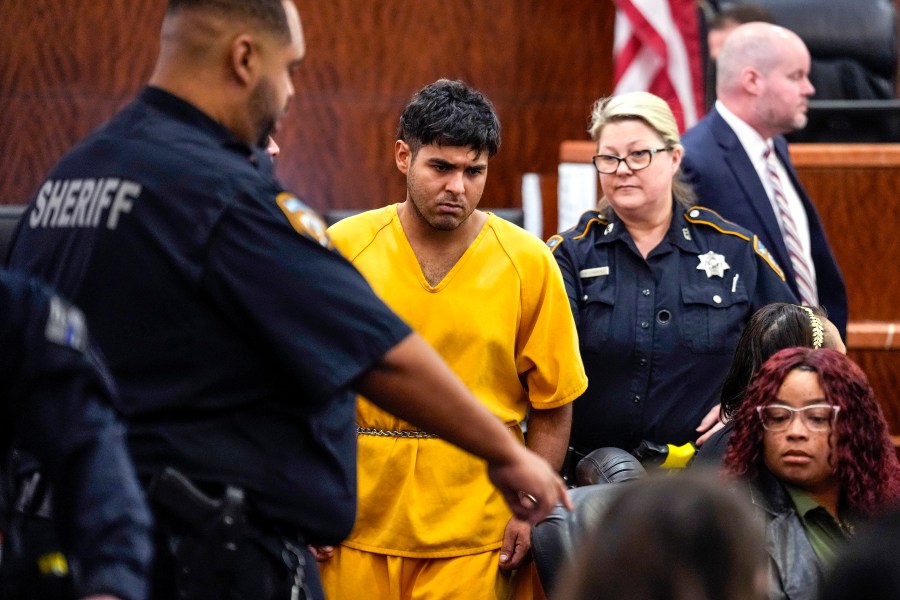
(657, 49)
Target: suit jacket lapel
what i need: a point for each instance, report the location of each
(754, 193)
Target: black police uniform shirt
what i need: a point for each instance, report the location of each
(657, 335)
(231, 327)
(57, 402)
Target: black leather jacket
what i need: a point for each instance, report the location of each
(795, 571)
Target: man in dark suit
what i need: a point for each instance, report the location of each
(737, 159)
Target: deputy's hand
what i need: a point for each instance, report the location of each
(101, 597)
(711, 420)
(700, 440)
(516, 548)
(322, 553)
(529, 485)
(709, 425)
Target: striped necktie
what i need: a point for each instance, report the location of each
(803, 271)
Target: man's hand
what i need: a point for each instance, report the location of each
(529, 485)
(101, 597)
(516, 548)
(710, 424)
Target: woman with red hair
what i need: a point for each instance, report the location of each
(814, 446)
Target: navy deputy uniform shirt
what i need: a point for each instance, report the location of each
(57, 402)
(657, 335)
(231, 327)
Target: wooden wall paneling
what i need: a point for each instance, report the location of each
(363, 62)
(563, 65)
(853, 206)
(883, 370)
(529, 58)
(66, 67)
(854, 187)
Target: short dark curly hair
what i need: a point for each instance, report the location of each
(863, 458)
(450, 113)
(267, 13)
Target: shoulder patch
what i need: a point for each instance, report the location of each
(303, 219)
(704, 216)
(66, 325)
(766, 256)
(554, 241)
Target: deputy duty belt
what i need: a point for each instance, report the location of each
(403, 433)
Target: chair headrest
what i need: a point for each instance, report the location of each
(608, 465)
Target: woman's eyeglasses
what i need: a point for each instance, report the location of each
(816, 417)
(637, 160)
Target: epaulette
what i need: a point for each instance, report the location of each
(699, 215)
(303, 219)
(587, 220)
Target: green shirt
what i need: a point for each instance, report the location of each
(826, 535)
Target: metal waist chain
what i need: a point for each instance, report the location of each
(405, 433)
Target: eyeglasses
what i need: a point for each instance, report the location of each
(637, 160)
(816, 417)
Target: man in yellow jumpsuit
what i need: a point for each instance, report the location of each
(490, 298)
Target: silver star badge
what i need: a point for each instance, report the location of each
(713, 264)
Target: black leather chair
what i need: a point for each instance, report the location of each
(853, 43)
(601, 475)
(608, 465)
(9, 217)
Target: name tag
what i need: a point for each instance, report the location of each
(595, 272)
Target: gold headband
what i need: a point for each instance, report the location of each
(818, 331)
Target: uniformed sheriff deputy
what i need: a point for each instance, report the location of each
(660, 289)
(56, 402)
(236, 333)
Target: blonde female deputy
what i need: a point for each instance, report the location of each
(660, 289)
